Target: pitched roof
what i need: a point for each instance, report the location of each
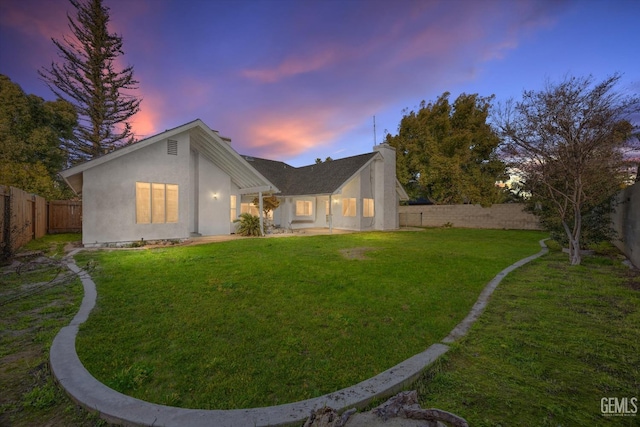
(208, 142)
(321, 178)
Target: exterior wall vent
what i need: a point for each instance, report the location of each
(172, 147)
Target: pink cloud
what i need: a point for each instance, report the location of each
(280, 135)
(533, 17)
(293, 66)
(36, 18)
(153, 112)
(195, 93)
(157, 112)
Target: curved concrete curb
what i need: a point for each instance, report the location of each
(463, 327)
(118, 408)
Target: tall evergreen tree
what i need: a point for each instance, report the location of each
(87, 76)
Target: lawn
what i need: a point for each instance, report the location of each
(554, 341)
(260, 322)
(32, 311)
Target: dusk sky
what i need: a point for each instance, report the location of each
(293, 80)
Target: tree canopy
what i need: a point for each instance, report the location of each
(319, 160)
(269, 203)
(33, 133)
(568, 142)
(88, 77)
(447, 152)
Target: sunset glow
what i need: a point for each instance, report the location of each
(293, 80)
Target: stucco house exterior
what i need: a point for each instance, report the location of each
(189, 181)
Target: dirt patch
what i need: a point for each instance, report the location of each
(356, 253)
(71, 246)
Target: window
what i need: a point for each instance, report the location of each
(172, 203)
(349, 207)
(253, 210)
(234, 208)
(327, 207)
(249, 208)
(367, 208)
(304, 208)
(143, 202)
(156, 203)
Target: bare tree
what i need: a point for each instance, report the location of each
(568, 142)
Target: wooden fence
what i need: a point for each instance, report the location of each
(65, 216)
(25, 216)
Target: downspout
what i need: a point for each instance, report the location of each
(261, 213)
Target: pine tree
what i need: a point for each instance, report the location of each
(88, 78)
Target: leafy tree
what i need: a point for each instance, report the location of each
(568, 141)
(88, 78)
(32, 134)
(447, 153)
(269, 203)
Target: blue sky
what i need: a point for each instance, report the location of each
(294, 80)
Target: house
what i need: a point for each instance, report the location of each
(189, 181)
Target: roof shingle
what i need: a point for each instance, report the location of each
(320, 178)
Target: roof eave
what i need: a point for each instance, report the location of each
(401, 191)
(73, 175)
(229, 151)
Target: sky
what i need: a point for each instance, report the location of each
(296, 80)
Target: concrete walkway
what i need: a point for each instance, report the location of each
(118, 408)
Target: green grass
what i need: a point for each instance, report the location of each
(52, 244)
(552, 343)
(31, 314)
(259, 322)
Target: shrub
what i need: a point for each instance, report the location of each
(248, 225)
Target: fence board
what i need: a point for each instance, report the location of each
(40, 205)
(65, 216)
(23, 217)
(4, 220)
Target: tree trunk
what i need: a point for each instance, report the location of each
(573, 236)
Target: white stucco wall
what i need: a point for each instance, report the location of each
(375, 181)
(109, 201)
(387, 199)
(214, 205)
(350, 190)
(368, 182)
